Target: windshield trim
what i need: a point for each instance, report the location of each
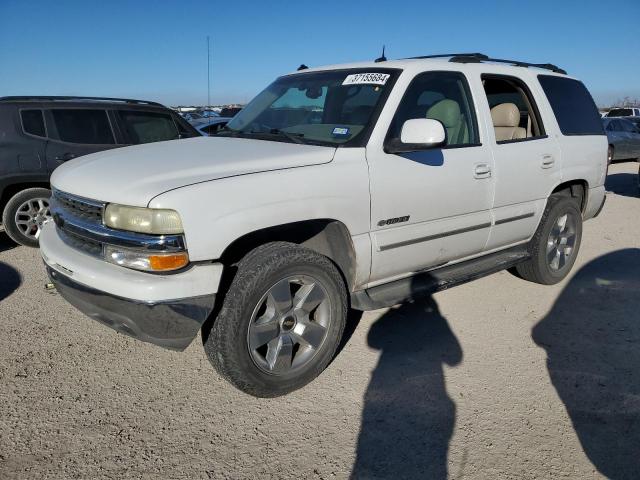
(360, 140)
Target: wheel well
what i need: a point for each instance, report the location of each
(575, 188)
(327, 237)
(11, 190)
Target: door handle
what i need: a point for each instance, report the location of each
(548, 161)
(65, 156)
(482, 170)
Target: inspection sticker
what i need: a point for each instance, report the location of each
(340, 132)
(366, 79)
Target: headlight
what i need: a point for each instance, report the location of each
(142, 220)
(146, 261)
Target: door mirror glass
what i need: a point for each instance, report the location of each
(418, 134)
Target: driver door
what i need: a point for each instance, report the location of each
(431, 207)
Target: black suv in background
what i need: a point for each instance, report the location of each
(39, 133)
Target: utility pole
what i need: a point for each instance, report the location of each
(208, 74)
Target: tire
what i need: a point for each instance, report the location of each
(256, 308)
(24, 214)
(610, 154)
(545, 245)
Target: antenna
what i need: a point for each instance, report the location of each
(382, 58)
(208, 74)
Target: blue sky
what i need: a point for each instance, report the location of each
(156, 50)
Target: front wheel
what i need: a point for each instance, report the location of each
(281, 320)
(24, 215)
(555, 245)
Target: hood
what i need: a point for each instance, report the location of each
(134, 175)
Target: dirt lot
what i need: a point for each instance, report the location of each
(498, 378)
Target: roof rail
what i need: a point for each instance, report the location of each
(479, 56)
(54, 98)
(476, 58)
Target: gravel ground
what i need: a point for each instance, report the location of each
(498, 378)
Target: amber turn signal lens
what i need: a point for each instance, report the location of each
(161, 263)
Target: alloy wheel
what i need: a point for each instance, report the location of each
(561, 242)
(31, 215)
(289, 325)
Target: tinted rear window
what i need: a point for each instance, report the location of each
(147, 127)
(83, 126)
(620, 112)
(33, 122)
(572, 105)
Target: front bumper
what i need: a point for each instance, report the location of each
(166, 310)
(171, 324)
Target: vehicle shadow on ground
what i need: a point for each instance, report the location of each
(9, 280)
(623, 184)
(592, 340)
(408, 417)
(6, 243)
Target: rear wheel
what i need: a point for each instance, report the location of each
(281, 320)
(555, 245)
(24, 215)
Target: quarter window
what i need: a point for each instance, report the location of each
(33, 122)
(513, 112)
(147, 127)
(89, 127)
(442, 96)
(572, 105)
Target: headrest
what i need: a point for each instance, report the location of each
(447, 111)
(505, 115)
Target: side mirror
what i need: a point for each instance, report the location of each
(418, 134)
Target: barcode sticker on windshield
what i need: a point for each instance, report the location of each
(366, 79)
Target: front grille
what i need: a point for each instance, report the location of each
(81, 208)
(82, 244)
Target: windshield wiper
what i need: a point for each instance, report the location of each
(294, 137)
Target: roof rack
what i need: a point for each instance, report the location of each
(67, 98)
(481, 57)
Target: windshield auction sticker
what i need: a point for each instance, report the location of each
(366, 79)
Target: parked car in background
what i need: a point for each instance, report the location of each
(37, 134)
(624, 138)
(624, 112)
(230, 111)
(210, 126)
(191, 116)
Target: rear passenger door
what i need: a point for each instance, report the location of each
(74, 132)
(527, 160)
(31, 151)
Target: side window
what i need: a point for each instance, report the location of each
(83, 126)
(147, 127)
(442, 96)
(513, 111)
(33, 122)
(572, 105)
(182, 130)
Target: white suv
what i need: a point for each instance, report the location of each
(350, 186)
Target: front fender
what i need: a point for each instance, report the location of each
(216, 213)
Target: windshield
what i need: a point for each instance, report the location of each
(319, 108)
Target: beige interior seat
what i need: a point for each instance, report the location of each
(448, 112)
(506, 118)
